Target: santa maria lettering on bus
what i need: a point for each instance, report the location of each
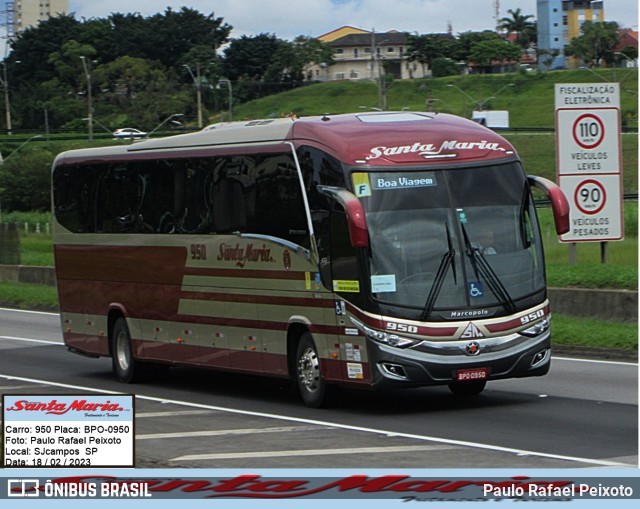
(242, 255)
(429, 149)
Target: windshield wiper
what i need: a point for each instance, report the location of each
(482, 269)
(448, 260)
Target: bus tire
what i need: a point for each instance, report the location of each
(126, 368)
(311, 386)
(466, 389)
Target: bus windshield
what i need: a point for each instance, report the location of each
(448, 240)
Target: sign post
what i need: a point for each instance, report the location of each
(589, 160)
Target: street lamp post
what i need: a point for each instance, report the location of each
(97, 122)
(2, 161)
(86, 65)
(228, 83)
(480, 104)
(7, 107)
(170, 117)
(198, 83)
(619, 53)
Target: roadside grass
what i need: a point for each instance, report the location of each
(36, 250)
(28, 296)
(598, 334)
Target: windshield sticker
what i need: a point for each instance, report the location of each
(383, 283)
(361, 184)
(346, 286)
(403, 182)
(476, 289)
(462, 216)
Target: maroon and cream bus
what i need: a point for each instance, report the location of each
(378, 250)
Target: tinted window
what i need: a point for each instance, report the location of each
(248, 194)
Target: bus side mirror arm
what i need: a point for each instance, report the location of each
(559, 202)
(356, 219)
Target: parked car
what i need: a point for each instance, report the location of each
(128, 132)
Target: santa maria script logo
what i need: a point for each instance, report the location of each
(428, 150)
(58, 408)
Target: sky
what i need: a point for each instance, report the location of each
(290, 18)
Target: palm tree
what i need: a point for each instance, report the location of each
(520, 25)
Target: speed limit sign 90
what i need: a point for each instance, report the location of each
(590, 197)
(596, 208)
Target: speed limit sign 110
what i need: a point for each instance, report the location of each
(589, 141)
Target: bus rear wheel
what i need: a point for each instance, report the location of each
(311, 386)
(126, 368)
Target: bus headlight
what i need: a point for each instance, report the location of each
(384, 337)
(537, 329)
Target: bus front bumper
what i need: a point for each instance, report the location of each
(442, 363)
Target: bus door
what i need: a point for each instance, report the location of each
(344, 278)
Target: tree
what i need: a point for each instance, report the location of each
(595, 43)
(466, 41)
(250, 57)
(50, 75)
(424, 49)
(519, 25)
(445, 67)
(172, 34)
(484, 53)
(292, 61)
(131, 84)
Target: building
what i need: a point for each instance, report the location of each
(360, 54)
(628, 38)
(21, 14)
(559, 21)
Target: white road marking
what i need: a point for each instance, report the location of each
(425, 438)
(30, 340)
(310, 452)
(595, 361)
(142, 415)
(226, 432)
(13, 310)
(14, 387)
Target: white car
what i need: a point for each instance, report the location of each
(128, 132)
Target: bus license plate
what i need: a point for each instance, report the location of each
(467, 375)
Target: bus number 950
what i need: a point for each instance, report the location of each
(402, 327)
(198, 252)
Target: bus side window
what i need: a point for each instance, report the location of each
(193, 195)
(117, 200)
(229, 204)
(74, 197)
(279, 206)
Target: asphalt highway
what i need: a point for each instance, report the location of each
(583, 414)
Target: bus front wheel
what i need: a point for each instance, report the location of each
(311, 386)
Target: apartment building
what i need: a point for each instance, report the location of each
(559, 21)
(21, 14)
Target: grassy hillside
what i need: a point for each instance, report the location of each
(530, 100)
